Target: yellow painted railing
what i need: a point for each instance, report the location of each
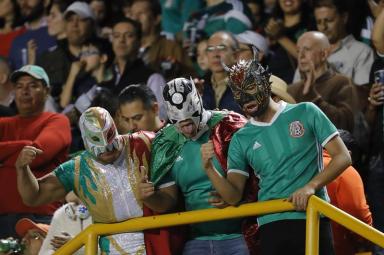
(315, 206)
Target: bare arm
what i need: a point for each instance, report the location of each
(159, 200)
(339, 162)
(378, 33)
(230, 188)
(35, 192)
(274, 30)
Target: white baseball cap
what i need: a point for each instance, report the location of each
(32, 70)
(255, 39)
(79, 8)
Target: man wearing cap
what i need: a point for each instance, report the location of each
(333, 93)
(104, 177)
(79, 27)
(248, 39)
(47, 131)
(32, 235)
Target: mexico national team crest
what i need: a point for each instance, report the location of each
(296, 129)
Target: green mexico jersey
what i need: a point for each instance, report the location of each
(285, 153)
(188, 174)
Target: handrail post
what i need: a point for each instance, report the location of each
(312, 229)
(89, 236)
(91, 244)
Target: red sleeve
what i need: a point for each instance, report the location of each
(10, 148)
(53, 138)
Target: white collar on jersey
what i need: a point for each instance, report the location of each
(282, 105)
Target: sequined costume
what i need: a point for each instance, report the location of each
(110, 191)
(106, 175)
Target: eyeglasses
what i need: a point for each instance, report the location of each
(220, 48)
(88, 53)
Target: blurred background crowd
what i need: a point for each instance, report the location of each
(329, 52)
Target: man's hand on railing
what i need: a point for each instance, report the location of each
(300, 197)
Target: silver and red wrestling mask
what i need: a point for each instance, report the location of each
(184, 102)
(249, 82)
(98, 131)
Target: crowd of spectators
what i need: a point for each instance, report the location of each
(60, 57)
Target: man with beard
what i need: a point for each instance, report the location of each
(281, 142)
(176, 165)
(35, 35)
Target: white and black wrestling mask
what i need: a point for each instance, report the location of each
(184, 102)
(249, 82)
(98, 131)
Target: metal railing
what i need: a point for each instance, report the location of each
(89, 236)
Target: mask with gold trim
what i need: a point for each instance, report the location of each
(249, 82)
(98, 131)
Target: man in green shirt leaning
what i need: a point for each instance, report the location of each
(283, 144)
(176, 165)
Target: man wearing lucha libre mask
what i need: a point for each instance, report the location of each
(177, 170)
(104, 177)
(282, 143)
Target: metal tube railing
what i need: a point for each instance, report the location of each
(173, 219)
(315, 206)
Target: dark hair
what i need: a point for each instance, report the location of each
(154, 6)
(305, 10)
(4, 60)
(62, 4)
(17, 20)
(261, 5)
(106, 99)
(136, 25)
(351, 144)
(137, 92)
(355, 11)
(103, 46)
(340, 5)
